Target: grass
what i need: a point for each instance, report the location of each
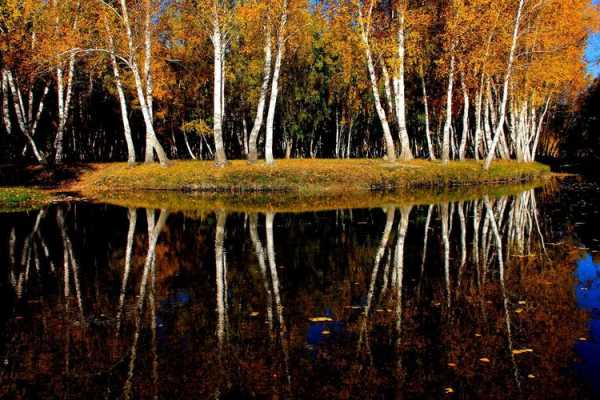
(22, 199)
(302, 185)
(303, 177)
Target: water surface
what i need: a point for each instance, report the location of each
(493, 297)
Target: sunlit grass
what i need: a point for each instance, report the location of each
(20, 198)
(309, 176)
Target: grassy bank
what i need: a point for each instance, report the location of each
(303, 177)
(22, 199)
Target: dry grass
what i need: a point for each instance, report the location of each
(303, 177)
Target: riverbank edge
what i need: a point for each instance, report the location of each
(291, 182)
(303, 177)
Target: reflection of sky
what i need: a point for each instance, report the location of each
(588, 298)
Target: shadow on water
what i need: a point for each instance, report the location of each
(466, 297)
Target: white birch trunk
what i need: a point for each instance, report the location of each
(260, 108)
(275, 85)
(499, 127)
(387, 134)
(399, 91)
(122, 102)
(465, 128)
(447, 124)
(218, 46)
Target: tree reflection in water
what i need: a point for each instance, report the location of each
(414, 299)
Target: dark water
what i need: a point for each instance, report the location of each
(492, 298)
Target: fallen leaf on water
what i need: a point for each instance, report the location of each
(522, 351)
(254, 314)
(583, 339)
(449, 390)
(519, 310)
(326, 332)
(478, 335)
(320, 319)
(379, 310)
(531, 376)
(484, 360)
(522, 302)
(452, 365)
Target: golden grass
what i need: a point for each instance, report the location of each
(303, 177)
(301, 185)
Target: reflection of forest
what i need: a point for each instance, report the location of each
(466, 296)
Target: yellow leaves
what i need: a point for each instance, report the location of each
(517, 352)
(320, 319)
(197, 126)
(484, 360)
(448, 390)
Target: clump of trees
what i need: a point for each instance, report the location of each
(449, 79)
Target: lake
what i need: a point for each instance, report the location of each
(488, 296)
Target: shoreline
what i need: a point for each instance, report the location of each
(289, 184)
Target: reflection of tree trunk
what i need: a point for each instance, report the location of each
(425, 239)
(463, 239)
(221, 276)
(275, 280)
(154, 230)
(391, 213)
(260, 254)
(498, 239)
(128, 251)
(399, 267)
(446, 243)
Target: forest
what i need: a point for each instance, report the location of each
(154, 80)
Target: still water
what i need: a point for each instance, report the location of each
(497, 297)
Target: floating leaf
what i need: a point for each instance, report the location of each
(484, 360)
(452, 365)
(582, 339)
(320, 319)
(519, 310)
(449, 390)
(478, 335)
(521, 351)
(522, 302)
(531, 376)
(326, 332)
(254, 314)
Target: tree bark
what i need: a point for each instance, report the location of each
(447, 124)
(399, 92)
(275, 85)
(500, 126)
(260, 109)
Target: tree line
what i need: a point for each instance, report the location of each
(153, 80)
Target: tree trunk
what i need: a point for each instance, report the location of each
(218, 46)
(511, 56)
(5, 109)
(447, 124)
(426, 104)
(260, 109)
(122, 103)
(465, 128)
(275, 86)
(399, 92)
(151, 139)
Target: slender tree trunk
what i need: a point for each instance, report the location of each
(465, 128)
(500, 126)
(447, 124)
(217, 39)
(122, 102)
(142, 94)
(387, 133)
(399, 91)
(5, 108)
(275, 85)
(260, 109)
(426, 104)
(64, 105)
